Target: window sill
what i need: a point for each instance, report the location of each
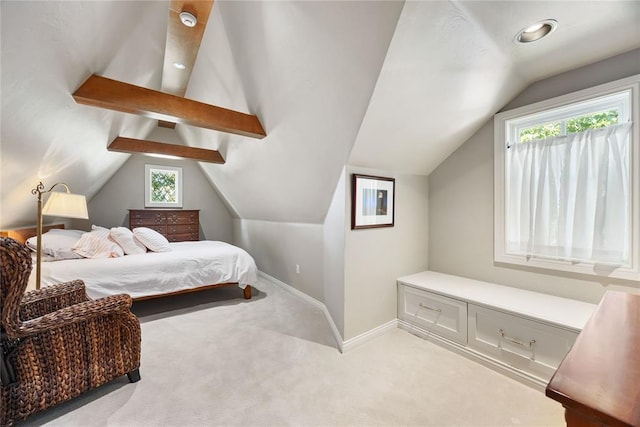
(590, 269)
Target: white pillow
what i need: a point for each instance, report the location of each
(124, 237)
(153, 240)
(98, 244)
(57, 244)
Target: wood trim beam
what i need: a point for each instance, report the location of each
(98, 91)
(130, 145)
(168, 125)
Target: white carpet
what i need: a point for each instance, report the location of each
(214, 359)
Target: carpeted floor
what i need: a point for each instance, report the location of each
(214, 359)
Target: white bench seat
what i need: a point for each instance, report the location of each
(521, 333)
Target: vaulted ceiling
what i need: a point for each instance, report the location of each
(453, 64)
(389, 85)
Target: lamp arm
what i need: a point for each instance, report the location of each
(39, 190)
(55, 185)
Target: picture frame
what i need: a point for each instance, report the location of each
(162, 186)
(372, 201)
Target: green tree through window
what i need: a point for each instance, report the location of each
(540, 132)
(163, 186)
(592, 121)
(573, 125)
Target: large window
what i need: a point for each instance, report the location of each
(567, 182)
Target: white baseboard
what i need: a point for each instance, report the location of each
(310, 300)
(343, 346)
(471, 354)
(357, 341)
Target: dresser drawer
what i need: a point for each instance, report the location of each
(530, 346)
(182, 229)
(147, 217)
(445, 316)
(183, 237)
(187, 217)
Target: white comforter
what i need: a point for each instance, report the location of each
(188, 265)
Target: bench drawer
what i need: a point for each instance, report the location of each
(528, 345)
(445, 316)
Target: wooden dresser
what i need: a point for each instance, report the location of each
(598, 382)
(175, 225)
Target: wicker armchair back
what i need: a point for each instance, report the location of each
(56, 342)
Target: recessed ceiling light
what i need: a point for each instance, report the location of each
(536, 31)
(188, 19)
(179, 65)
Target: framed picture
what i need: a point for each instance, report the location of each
(162, 186)
(372, 201)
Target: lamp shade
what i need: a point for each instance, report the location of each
(66, 205)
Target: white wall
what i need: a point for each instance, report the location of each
(375, 258)
(353, 272)
(307, 70)
(461, 200)
(334, 241)
(278, 246)
(125, 190)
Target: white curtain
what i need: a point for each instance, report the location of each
(569, 196)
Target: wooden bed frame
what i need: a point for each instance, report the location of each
(22, 234)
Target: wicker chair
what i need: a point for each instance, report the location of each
(56, 342)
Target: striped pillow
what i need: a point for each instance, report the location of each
(124, 237)
(153, 240)
(98, 244)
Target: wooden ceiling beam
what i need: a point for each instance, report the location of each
(168, 125)
(130, 145)
(98, 91)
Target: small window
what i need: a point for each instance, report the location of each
(596, 113)
(565, 170)
(596, 120)
(163, 186)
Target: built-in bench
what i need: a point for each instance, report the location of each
(521, 333)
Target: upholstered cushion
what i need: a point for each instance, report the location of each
(153, 240)
(57, 244)
(98, 244)
(124, 237)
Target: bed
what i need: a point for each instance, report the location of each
(189, 266)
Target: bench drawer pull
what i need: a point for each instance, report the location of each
(517, 342)
(430, 308)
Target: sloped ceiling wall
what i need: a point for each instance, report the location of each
(452, 64)
(48, 49)
(307, 69)
(310, 70)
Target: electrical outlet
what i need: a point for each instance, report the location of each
(297, 268)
